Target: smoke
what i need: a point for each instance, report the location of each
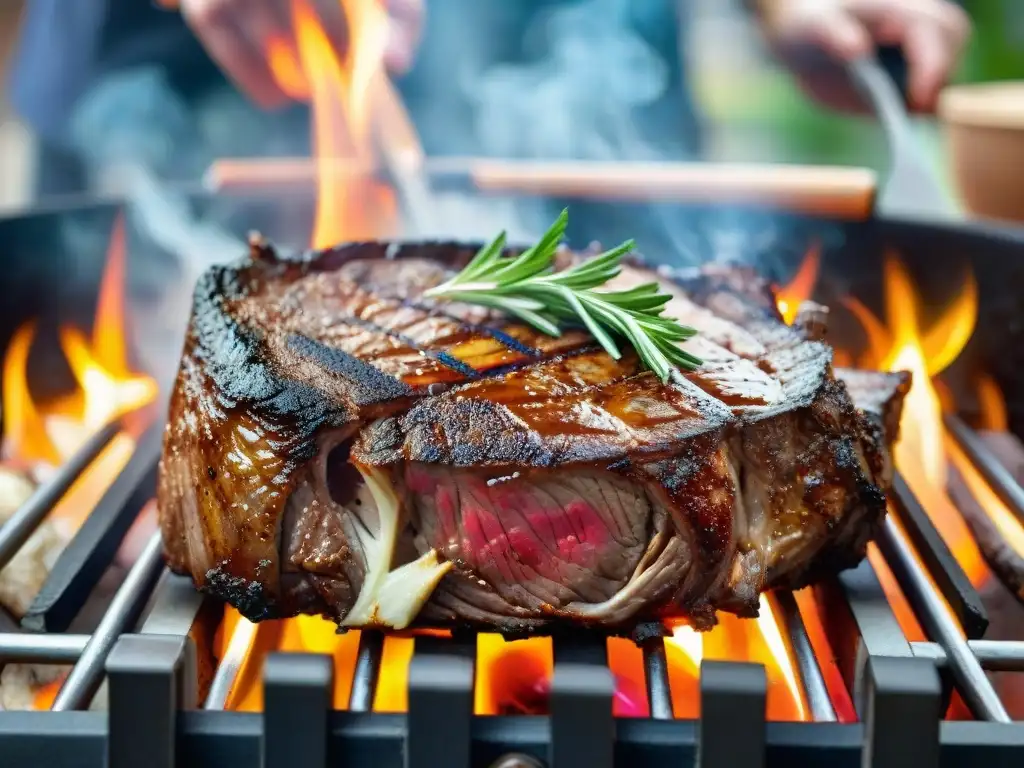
(596, 80)
(578, 100)
(601, 80)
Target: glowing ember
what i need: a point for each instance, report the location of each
(512, 677)
(801, 287)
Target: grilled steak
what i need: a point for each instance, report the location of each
(338, 445)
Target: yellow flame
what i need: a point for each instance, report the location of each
(24, 433)
(790, 296)
(340, 89)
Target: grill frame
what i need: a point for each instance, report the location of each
(154, 676)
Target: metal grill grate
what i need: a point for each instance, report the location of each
(153, 715)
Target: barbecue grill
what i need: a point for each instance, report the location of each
(892, 661)
(165, 680)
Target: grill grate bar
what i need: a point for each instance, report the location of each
(440, 715)
(999, 478)
(90, 552)
(659, 692)
(227, 671)
(20, 647)
(571, 647)
(124, 610)
(937, 557)
(859, 623)
(367, 671)
(23, 523)
(993, 655)
(939, 623)
(813, 682)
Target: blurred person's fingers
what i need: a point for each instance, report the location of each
(932, 48)
(929, 62)
(841, 35)
(222, 27)
(931, 33)
(404, 33)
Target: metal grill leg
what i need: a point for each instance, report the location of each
(732, 715)
(901, 726)
(143, 672)
(364, 679)
(297, 691)
(440, 711)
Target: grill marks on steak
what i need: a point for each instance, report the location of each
(553, 482)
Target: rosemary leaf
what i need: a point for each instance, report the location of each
(528, 287)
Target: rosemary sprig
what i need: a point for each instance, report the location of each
(528, 287)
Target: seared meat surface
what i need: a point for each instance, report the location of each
(339, 445)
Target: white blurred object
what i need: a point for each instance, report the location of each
(24, 575)
(20, 582)
(17, 158)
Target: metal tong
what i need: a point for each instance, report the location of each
(912, 189)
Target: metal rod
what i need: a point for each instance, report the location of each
(88, 555)
(27, 648)
(993, 655)
(364, 678)
(400, 153)
(940, 624)
(945, 570)
(659, 691)
(999, 478)
(818, 699)
(22, 523)
(227, 671)
(86, 676)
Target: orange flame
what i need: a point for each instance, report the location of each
(921, 454)
(107, 388)
(798, 290)
(287, 70)
(24, 434)
(339, 87)
(340, 90)
(735, 639)
(992, 405)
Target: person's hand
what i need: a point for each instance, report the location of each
(238, 33)
(931, 33)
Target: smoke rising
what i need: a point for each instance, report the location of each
(585, 80)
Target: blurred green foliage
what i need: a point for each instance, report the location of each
(791, 128)
(996, 50)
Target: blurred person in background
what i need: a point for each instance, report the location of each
(589, 79)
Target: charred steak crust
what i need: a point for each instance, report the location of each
(539, 481)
